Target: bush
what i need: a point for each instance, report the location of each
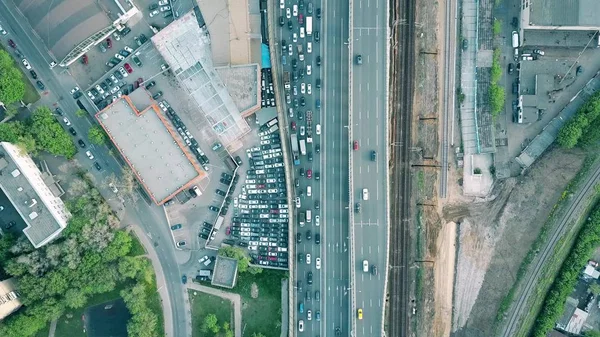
(497, 27)
(580, 127)
(497, 98)
(97, 135)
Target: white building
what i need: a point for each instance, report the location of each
(9, 298)
(44, 213)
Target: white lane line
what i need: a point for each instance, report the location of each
(377, 189)
(368, 86)
(333, 144)
(359, 169)
(359, 87)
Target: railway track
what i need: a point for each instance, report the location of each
(401, 84)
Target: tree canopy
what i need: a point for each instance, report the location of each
(97, 135)
(583, 127)
(49, 134)
(12, 87)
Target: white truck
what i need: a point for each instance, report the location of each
(309, 25)
(303, 147)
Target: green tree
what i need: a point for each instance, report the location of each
(497, 28)
(97, 135)
(258, 334)
(130, 266)
(49, 134)
(569, 135)
(595, 288)
(211, 323)
(12, 86)
(238, 254)
(497, 98)
(81, 113)
(592, 333)
(75, 298)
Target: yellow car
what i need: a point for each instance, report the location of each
(359, 313)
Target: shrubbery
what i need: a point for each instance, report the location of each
(497, 94)
(585, 121)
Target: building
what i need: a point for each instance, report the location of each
(150, 146)
(44, 213)
(9, 298)
(225, 272)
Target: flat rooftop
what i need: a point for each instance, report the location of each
(242, 83)
(63, 24)
(556, 13)
(23, 184)
(185, 46)
(149, 146)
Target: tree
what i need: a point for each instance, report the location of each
(497, 98)
(211, 323)
(97, 135)
(497, 27)
(592, 333)
(238, 254)
(12, 86)
(258, 334)
(75, 298)
(595, 289)
(80, 113)
(49, 134)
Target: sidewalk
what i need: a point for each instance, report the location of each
(160, 278)
(234, 298)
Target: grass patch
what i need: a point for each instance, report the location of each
(558, 208)
(71, 323)
(421, 182)
(137, 248)
(262, 314)
(204, 304)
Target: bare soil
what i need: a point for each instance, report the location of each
(495, 234)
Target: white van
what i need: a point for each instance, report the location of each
(515, 39)
(308, 191)
(308, 216)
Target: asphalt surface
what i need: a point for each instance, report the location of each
(369, 119)
(58, 84)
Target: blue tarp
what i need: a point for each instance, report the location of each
(266, 57)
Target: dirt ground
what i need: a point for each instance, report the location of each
(496, 233)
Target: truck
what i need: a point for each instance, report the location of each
(309, 126)
(286, 80)
(295, 156)
(309, 25)
(300, 53)
(301, 218)
(219, 222)
(515, 39)
(303, 147)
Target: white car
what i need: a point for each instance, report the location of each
(302, 130)
(153, 13)
(282, 4)
(318, 129)
(26, 64)
(117, 36)
(113, 187)
(365, 194)
(119, 56)
(123, 72)
(301, 325)
(307, 258)
(91, 96)
(295, 10)
(288, 13)
(67, 121)
(74, 90)
(308, 69)
(89, 154)
(203, 259)
(309, 315)
(318, 262)
(317, 220)
(298, 205)
(309, 89)
(295, 37)
(163, 2)
(114, 90)
(303, 88)
(309, 47)
(365, 266)
(3, 31)
(99, 88)
(290, 50)
(165, 8)
(128, 49)
(301, 32)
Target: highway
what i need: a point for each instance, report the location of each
(151, 218)
(369, 130)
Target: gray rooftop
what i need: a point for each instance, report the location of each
(186, 48)
(149, 147)
(565, 13)
(225, 273)
(23, 184)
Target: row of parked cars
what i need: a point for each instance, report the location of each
(267, 91)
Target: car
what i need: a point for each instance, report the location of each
(282, 4)
(298, 202)
(317, 175)
(102, 47)
(153, 13)
(81, 143)
(308, 235)
(295, 37)
(213, 208)
(579, 70)
(360, 313)
(74, 90)
(113, 188)
(97, 166)
(309, 278)
(301, 325)
(302, 171)
(290, 26)
(288, 13)
(318, 61)
(118, 74)
(374, 270)
(302, 130)
(318, 129)
(365, 194)
(91, 95)
(67, 121)
(72, 131)
(120, 57)
(281, 20)
(181, 243)
(165, 8)
(150, 84)
(318, 263)
(359, 59)
(308, 70)
(128, 68)
(137, 61)
(298, 238)
(33, 74)
(465, 44)
(99, 89)
(123, 72)
(300, 19)
(26, 64)
(303, 88)
(511, 68)
(539, 52)
(203, 259)
(318, 148)
(12, 43)
(355, 145)
(157, 95)
(309, 173)
(309, 47)
(175, 227)
(365, 266)
(40, 85)
(89, 155)
(163, 2)
(184, 279)
(309, 89)
(309, 315)
(153, 7)
(293, 126)
(317, 220)
(318, 13)
(9, 224)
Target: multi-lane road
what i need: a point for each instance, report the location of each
(369, 129)
(150, 218)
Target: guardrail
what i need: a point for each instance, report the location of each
(352, 267)
(277, 71)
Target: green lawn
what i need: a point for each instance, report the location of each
(136, 246)
(203, 304)
(262, 314)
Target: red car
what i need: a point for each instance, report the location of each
(109, 42)
(84, 59)
(301, 19)
(128, 68)
(293, 126)
(12, 43)
(309, 173)
(228, 230)
(355, 145)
